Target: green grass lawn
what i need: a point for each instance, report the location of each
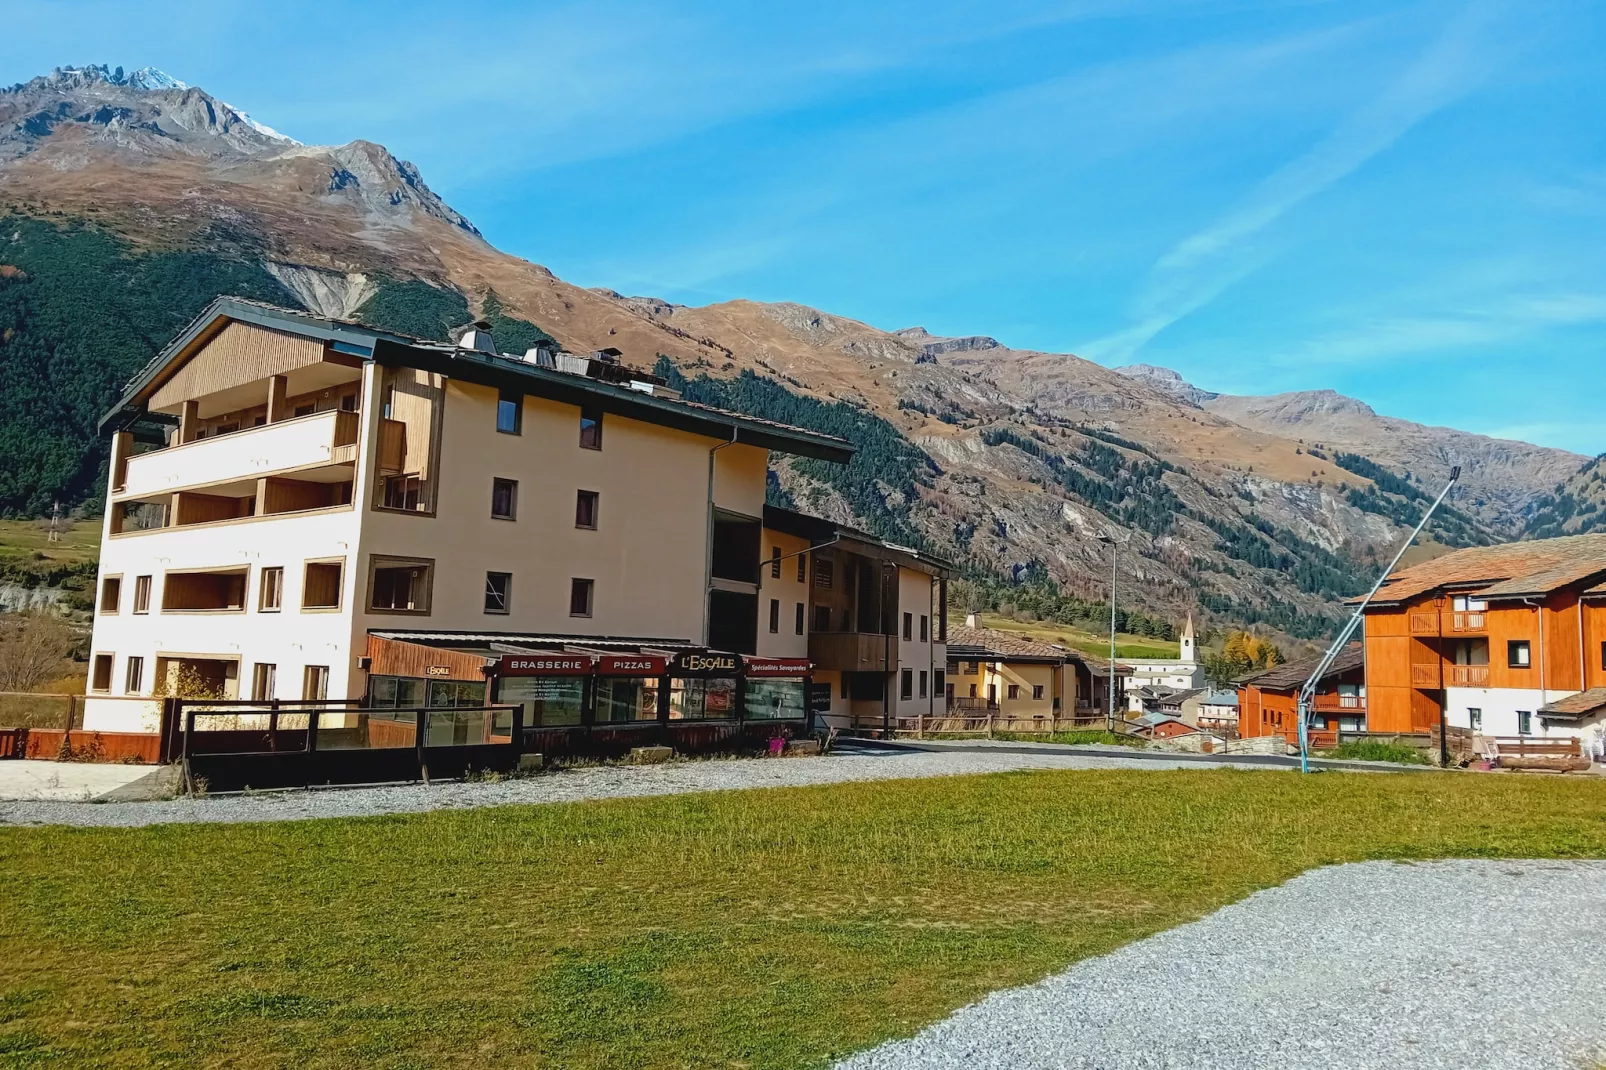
(745, 929)
(1044, 631)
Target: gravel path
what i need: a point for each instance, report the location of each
(598, 782)
(1372, 966)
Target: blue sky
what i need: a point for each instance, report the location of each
(1404, 202)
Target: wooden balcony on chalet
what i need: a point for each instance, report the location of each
(303, 442)
(1425, 674)
(1424, 622)
(1467, 622)
(853, 651)
(1335, 703)
(1466, 676)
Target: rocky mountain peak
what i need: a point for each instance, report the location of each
(931, 346)
(1167, 381)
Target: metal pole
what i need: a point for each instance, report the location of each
(1308, 691)
(1109, 713)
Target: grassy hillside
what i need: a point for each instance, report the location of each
(1127, 645)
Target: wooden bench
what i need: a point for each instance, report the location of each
(1560, 755)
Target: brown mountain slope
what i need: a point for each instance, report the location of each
(1036, 454)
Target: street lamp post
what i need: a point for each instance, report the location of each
(1109, 710)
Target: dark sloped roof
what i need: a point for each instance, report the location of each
(1575, 706)
(1510, 570)
(1003, 646)
(490, 369)
(1291, 675)
(817, 530)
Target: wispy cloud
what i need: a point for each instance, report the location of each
(1198, 269)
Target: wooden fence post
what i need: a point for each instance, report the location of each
(989, 723)
(920, 726)
(72, 712)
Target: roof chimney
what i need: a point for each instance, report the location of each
(540, 356)
(477, 336)
(970, 620)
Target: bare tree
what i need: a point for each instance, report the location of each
(32, 646)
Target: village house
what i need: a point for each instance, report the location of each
(1268, 699)
(1504, 640)
(1019, 679)
(309, 509)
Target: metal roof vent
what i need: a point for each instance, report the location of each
(541, 357)
(477, 336)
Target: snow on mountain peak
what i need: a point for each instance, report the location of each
(154, 78)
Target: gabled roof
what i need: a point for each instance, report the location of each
(503, 372)
(1216, 697)
(994, 645)
(1510, 570)
(1576, 706)
(1292, 675)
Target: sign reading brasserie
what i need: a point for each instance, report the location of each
(544, 665)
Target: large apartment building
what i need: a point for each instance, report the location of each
(1505, 640)
(304, 508)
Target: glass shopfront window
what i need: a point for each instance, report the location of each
(547, 700)
(396, 692)
(446, 694)
(627, 699)
(713, 699)
(775, 700)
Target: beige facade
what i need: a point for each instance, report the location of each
(296, 504)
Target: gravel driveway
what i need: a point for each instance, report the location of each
(598, 782)
(1371, 966)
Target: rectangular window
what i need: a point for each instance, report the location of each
(504, 499)
(315, 682)
(510, 413)
(972, 690)
(401, 492)
(100, 676)
(797, 624)
(222, 591)
(1517, 654)
(803, 577)
(585, 510)
(271, 596)
(142, 594)
(111, 593)
(497, 586)
(320, 585)
(1037, 691)
(263, 676)
(822, 618)
(923, 682)
(134, 676)
(590, 428)
(939, 685)
(1525, 722)
(1014, 691)
(908, 627)
(775, 562)
(1475, 718)
(925, 628)
(824, 572)
(580, 597)
(400, 585)
(1603, 656)
(305, 410)
(906, 683)
(775, 615)
(348, 402)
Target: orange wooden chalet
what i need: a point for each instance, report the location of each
(1493, 637)
(1267, 699)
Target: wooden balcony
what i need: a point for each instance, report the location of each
(1467, 622)
(1424, 622)
(853, 651)
(1425, 675)
(324, 438)
(1334, 703)
(1466, 676)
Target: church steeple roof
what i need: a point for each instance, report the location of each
(1187, 628)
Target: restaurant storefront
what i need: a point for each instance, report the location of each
(595, 700)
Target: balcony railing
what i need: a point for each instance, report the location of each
(1335, 703)
(968, 704)
(1466, 622)
(1424, 623)
(1425, 675)
(303, 442)
(853, 651)
(1466, 676)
